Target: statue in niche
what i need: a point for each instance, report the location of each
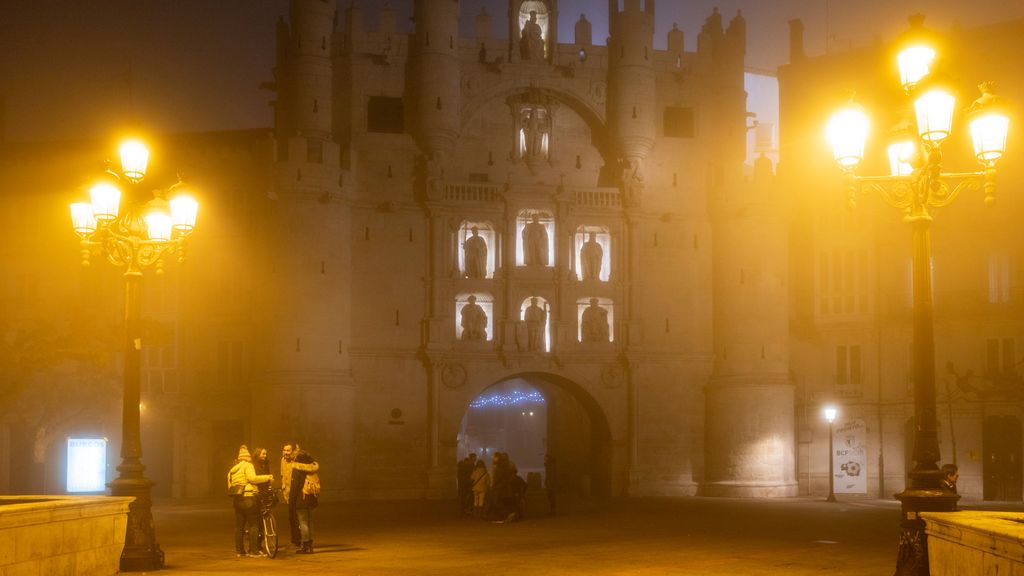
(474, 322)
(591, 256)
(475, 250)
(535, 130)
(531, 42)
(535, 243)
(535, 318)
(632, 181)
(594, 323)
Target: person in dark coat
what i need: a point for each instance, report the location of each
(305, 494)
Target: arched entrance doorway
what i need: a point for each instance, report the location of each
(533, 414)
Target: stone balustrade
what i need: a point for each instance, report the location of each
(974, 542)
(73, 535)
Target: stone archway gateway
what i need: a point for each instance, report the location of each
(532, 414)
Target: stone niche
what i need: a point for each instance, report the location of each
(80, 535)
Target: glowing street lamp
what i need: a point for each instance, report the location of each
(917, 187)
(830, 415)
(137, 234)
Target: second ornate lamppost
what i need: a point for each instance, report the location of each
(142, 235)
(916, 185)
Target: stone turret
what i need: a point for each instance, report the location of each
(435, 76)
(631, 89)
(304, 369)
(750, 420)
(306, 93)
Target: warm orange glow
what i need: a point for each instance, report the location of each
(106, 200)
(934, 110)
(158, 225)
(82, 218)
(901, 155)
(914, 63)
(184, 210)
(830, 414)
(847, 131)
(134, 158)
(988, 131)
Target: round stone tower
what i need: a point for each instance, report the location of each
(435, 76)
(304, 390)
(750, 441)
(631, 84)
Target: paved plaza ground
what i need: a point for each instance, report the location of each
(698, 536)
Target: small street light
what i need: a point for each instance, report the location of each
(830, 415)
(140, 236)
(916, 185)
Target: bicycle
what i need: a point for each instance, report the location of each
(268, 524)
(268, 543)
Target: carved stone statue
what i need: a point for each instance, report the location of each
(633, 181)
(535, 129)
(535, 243)
(535, 318)
(474, 322)
(591, 256)
(594, 323)
(475, 249)
(531, 43)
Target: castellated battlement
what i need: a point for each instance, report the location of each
(379, 36)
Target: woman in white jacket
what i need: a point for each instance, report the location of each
(242, 481)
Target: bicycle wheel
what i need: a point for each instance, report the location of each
(269, 534)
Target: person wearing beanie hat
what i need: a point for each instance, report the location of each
(242, 481)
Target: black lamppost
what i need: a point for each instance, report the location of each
(830, 415)
(916, 185)
(139, 237)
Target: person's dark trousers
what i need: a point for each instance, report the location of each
(551, 501)
(246, 512)
(293, 523)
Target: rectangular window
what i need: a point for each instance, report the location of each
(849, 372)
(385, 115)
(998, 279)
(679, 122)
(1000, 357)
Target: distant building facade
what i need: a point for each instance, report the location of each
(851, 269)
(432, 217)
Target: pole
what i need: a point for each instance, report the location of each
(141, 551)
(831, 470)
(923, 492)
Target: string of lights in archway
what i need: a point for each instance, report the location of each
(513, 398)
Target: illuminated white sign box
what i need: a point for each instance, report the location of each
(87, 465)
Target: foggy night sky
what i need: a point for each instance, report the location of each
(197, 64)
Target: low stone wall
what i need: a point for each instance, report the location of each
(971, 542)
(67, 535)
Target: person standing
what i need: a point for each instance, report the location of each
(242, 482)
(305, 493)
(480, 484)
(288, 465)
(463, 473)
(550, 481)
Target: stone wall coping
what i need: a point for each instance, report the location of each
(18, 511)
(997, 533)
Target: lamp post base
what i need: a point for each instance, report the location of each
(912, 555)
(141, 551)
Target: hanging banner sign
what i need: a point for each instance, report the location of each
(849, 460)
